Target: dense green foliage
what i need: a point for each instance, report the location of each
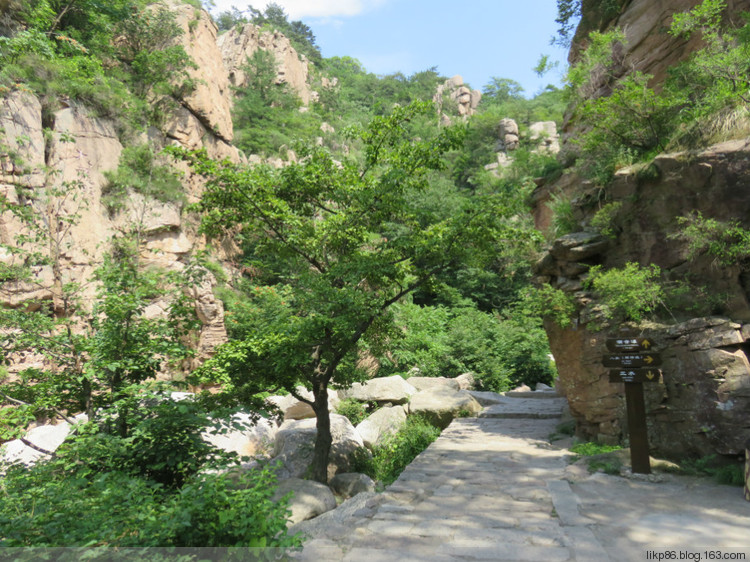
(629, 293)
(442, 341)
(143, 171)
(119, 58)
(727, 242)
(342, 243)
(625, 120)
(394, 454)
(84, 496)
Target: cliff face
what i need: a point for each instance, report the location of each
(69, 152)
(701, 406)
(237, 44)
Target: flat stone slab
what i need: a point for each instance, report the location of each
(532, 394)
(525, 408)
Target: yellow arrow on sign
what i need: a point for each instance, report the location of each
(646, 344)
(650, 375)
(648, 359)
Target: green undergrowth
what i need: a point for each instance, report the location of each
(393, 455)
(731, 474)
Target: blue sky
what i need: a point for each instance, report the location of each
(478, 39)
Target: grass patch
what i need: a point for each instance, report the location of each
(391, 457)
(731, 474)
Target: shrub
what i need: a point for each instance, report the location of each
(145, 172)
(392, 456)
(353, 410)
(604, 219)
(53, 504)
(629, 293)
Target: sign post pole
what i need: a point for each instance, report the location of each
(633, 361)
(636, 406)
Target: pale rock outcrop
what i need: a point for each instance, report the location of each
(295, 442)
(22, 137)
(244, 435)
(210, 101)
(545, 133)
(392, 389)
(349, 484)
(424, 383)
(238, 44)
(507, 135)
(466, 381)
(308, 499)
(454, 98)
(380, 424)
(441, 405)
(293, 409)
(45, 437)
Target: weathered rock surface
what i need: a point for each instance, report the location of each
(295, 441)
(45, 437)
(649, 48)
(293, 409)
(210, 100)
(545, 133)
(244, 436)
(309, 498)
(466, 381)
(382, 423)
(392, 389)
(507, 135)
(700, 406)
(238, 44)
(349, 484)
(441, 405)
(425, 383)
(454, 98)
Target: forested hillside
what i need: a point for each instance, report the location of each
(206, 225)
(189, 204)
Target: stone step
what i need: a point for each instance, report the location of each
(525, 408)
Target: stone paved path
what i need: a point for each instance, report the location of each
(492, 488)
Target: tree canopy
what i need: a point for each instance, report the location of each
(345, 240)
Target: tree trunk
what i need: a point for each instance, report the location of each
(323, 437)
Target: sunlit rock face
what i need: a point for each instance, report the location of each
(700, 405)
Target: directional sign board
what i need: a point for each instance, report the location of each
(623, 345)
(631, 360)
(634, 375)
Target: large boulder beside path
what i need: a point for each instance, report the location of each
(295, 442)
(309, 498)
(426, 383)
(380, 424)
(392, 389)
(441, 405)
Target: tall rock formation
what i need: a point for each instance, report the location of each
(55, 163)
(702, 404)
(454, 98)
(239, 43)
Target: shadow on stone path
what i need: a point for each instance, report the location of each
(492, 488)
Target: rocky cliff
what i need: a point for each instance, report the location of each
(701, 405)
(56, 163)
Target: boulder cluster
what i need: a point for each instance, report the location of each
(286, 443)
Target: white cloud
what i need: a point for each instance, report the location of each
(297, 9)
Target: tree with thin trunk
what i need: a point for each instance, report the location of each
(338, 243)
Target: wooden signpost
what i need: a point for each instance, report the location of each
(633, 361)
